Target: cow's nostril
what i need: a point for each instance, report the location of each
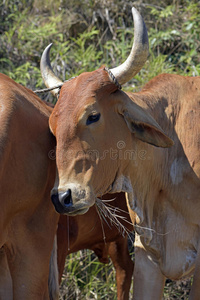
(66, 198)
(54, 198)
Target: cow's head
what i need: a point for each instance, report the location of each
(95, 123)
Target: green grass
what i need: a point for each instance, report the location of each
(85, 278)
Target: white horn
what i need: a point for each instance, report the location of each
(139, 52)
(48, 75)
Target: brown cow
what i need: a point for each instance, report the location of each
(103, 236)
(28, 221)
(121, 131)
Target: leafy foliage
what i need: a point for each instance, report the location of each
(178, 35)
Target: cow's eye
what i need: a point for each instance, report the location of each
(93, 118)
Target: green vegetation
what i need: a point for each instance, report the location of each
(87, 34)
(86, 278)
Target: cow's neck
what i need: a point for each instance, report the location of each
(146, 172)
(149, 174)
(161, 181)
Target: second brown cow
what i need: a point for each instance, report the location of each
(105, 236)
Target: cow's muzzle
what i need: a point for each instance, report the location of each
(71, 202)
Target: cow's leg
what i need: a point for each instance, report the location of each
(29, 271)
(148, 279)
(5, 278)
(28, 254)
(119, 254)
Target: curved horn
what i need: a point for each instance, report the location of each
(48, 75)
(139, 52)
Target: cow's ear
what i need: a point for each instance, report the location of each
(143, 126)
